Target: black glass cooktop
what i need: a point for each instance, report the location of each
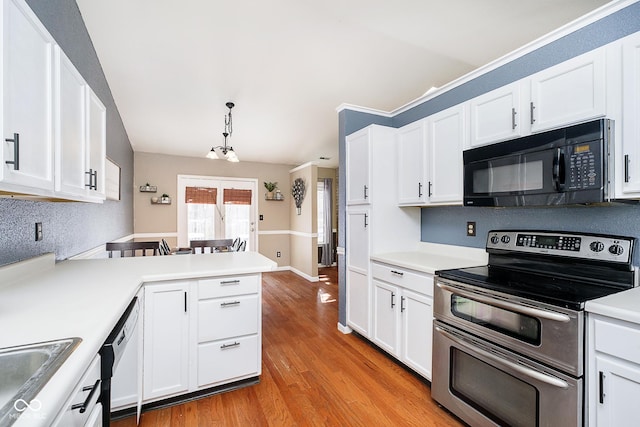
(563, 291)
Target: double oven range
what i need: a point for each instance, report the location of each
(509, 337)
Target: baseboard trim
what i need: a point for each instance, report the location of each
(344, 328)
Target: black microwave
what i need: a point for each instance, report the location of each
(558, 167)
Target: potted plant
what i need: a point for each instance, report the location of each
(270, 186)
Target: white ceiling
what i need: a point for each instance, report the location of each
(287, 64)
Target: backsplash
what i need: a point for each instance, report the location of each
(448, 224)
(68, 228)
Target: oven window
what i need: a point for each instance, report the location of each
(520, 326)
(502, 397)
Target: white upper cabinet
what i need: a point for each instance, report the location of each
(97, 145)
(70, 119)
(49, 112)
(570, 92)
(430, 159)
(496, 116)
(80, 120)
(27, 147)
(627, 173)
(412, 162)
(358, 162)
(447, 136)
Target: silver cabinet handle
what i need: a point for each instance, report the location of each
(402, 308)
(529, 311)
(93, 179)
(398, 273)
(226, 346)
(430, 192)
(393, 296)
(513, 118)
(419, 189)
(230, 282)
(532, 107)
(229, 304)
(16, 151)
(531, 373)
(366, 218)
(366, 192)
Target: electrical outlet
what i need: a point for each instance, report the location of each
(278, 254)
(39, 235)
(471, 228)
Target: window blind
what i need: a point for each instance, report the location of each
(203, 195)
(233, 196)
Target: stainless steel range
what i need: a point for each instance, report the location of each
(509, 337)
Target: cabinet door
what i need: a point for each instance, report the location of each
(96, 144)
(569, 92)
(70, 130)
(358, 302)
(417, 331)
(358, 161)
(447, 135)
(166, 340)
(386, 317)
(27, 100)
(629, 171)
(496, 116)
(618, 388)
(357, 239)
(412, 181)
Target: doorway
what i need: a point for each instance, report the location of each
(217, 208)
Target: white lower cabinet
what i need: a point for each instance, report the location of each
(166, 340)
(83, 408)
(200, 334)
(614, 372)
(403, 315)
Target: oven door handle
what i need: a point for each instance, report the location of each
(531, 311)
(524, 370)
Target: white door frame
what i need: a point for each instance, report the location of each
(215, 181)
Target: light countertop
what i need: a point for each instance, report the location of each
(623, 306)
(85, 299)
(431, 257)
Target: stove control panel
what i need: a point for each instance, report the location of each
(575, 245)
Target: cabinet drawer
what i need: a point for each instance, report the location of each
(230, 285)
(227, 360)
(228, 317)
(71, 415)
(618, 339)
(408, 279)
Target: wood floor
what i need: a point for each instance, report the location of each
(312, 374)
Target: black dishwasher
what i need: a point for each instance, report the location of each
(111, 352)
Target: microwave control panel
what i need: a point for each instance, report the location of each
(583, 166)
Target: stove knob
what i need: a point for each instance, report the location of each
(596, 246)
(494, 239)
(616, 249)
(505, 239)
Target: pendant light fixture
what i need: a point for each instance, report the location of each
(225, 151)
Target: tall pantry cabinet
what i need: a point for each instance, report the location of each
(374, 222)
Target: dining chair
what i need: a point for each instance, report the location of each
(216, 245)
(132, 247)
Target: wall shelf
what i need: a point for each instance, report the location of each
(148, 189)
(162, 201)
(277, 196)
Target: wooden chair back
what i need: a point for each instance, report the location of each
(216, 245)
(132, 247)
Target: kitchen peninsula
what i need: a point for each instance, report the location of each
(43, 301)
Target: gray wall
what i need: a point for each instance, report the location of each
(447, 224)
(71, 228)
